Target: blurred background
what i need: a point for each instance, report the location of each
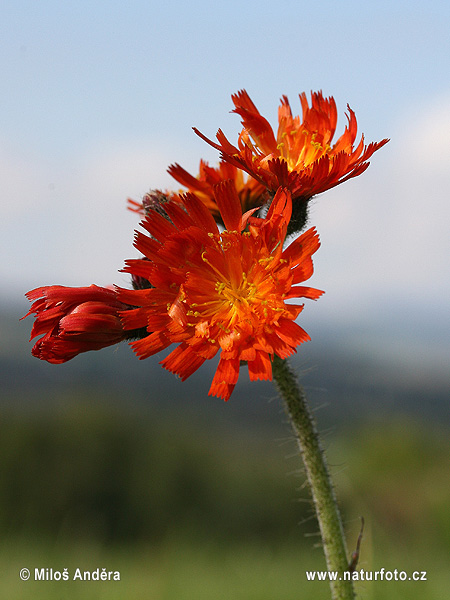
(111, 462)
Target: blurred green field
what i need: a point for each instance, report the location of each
(192, 511)
(184, 571)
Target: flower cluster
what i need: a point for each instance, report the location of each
(215, 274)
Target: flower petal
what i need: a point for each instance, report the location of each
(225, 378)
(183, 361)
(260, 368)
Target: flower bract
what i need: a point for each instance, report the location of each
(153, 200)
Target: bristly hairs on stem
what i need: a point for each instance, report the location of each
(327, 511)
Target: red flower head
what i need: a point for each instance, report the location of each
(74, 320)
(251, 193)
(301, 157)
(214, 291)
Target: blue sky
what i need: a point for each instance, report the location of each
(99, 98)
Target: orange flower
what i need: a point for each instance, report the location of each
(251, 192)
(214, 291)
(74, 320)
(301, 157)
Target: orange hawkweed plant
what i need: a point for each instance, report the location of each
(216, 276)
(219, 291)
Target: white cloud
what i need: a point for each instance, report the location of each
(386, 234)
(24, 181)
(71, 225)
(427, 141)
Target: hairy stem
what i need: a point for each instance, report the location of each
(326, 507)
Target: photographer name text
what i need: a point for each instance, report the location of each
(48, 574)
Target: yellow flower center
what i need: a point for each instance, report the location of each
(237, 300)
(300, 148)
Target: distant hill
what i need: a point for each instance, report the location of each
(352, 382)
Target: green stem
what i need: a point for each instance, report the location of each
(327, 510)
